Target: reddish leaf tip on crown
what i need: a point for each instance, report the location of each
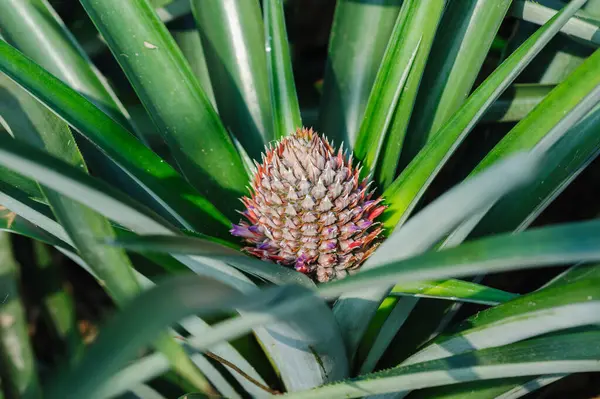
(309, 210)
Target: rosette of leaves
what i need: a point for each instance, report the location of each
(345, 288)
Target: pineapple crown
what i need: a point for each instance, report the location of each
(308, 209)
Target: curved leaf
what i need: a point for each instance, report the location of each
(558, 354)
(538, 313)
(185, 300)
(75, 183)
(454, 290)
(573, 242)
(274, 273)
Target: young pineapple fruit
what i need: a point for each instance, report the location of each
(309, 210)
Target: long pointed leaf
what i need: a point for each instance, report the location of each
(426, 20)
(353, 60)
(195, 246)
(391, 100)
(36, 29)
(286, 111)
(533, 248)
(537, 129)
(567, 353)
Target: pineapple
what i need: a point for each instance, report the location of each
(309, 209)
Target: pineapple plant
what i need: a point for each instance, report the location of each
(355, 238)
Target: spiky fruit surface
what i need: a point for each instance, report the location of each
(309, 210)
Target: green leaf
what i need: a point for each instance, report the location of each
(353, 60)
(565, 161)
(197, 327)
(284, 101)
(573, 274)
(462, 43)
(155, 364)
(233, 40)
(425, 21)
(17, 360)
(75, 184)
(556, 245)
(13, 223)
(51, 45)
(354, 310)
(517, 387)
(539, 14)
(395, 89)
(271, 272)
(576, 352)
(485, 389)
(29, 187)
(175, 198)
(537, 129)
(403, 195)
(394, 320)
(173, 98)
(78, 185)
(525, 217)
(38, 214)
(530, 315)
(554, 308)
(454, 290)
(541, 247)
(517, 102)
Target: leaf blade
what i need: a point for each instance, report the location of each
(284, 100)
(233, 39)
